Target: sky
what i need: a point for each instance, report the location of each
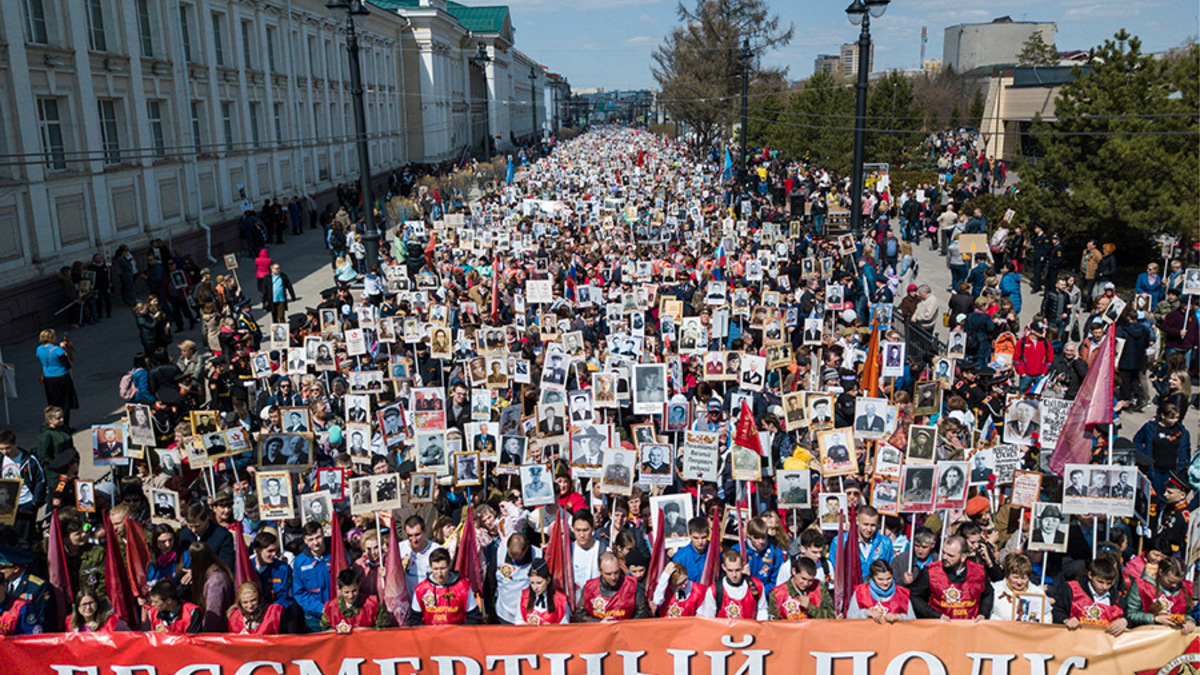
(607, 43)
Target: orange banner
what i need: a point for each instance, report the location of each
(655, 647)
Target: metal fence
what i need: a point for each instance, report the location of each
(923, 343)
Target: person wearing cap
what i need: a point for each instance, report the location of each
(872, 544)
(1170, 524)
(541, 604)
(954, 587)
(908, 304)
(18, 463)
(712, 419)
(21, 585)
(1033, 355)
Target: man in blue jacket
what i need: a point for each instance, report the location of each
(310, 578)
(872, 544)
(763, 557)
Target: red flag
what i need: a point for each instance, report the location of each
(658, 551)
(243, 570)
(137, 558)
(337, 554)
(1093, 405)
(60, 580)
(114, 580)
(558, 557)
(712, 557)
(746, 435)
(847, 573)
(430, 248)
(870, 371)
(466, 560)
(495, 289)
(395, 584)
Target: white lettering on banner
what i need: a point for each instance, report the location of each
(595, 663)
(134, 670)
(388, 666)
(199, 668)
(249, 667)
(75, 670)
(512, 662)
(728, 641)
(933, 663)
(350, 666)
(1037, 663)
(446, 665)
(859, 661)
(999, 663)
(1071, 663)
(681, 660)
(630, 662)
(558, 663)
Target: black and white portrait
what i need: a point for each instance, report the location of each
(466, 469)
(649, 388)
(793, 488)
(536, 487)
(1022, 421)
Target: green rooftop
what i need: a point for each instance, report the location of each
(483, 20)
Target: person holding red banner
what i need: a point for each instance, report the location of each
(1164, 600)
(955, 588)
(444, 598)
(613, 596)
(169, 614)
(675, 595)
(540, 603)
(351, 608)
(737, 595)
(880, 598)
(1091, 602)
(93, 614)
(250, 615)
(802, 596)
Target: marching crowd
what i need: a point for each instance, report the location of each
(616, 386)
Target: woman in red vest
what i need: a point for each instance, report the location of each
(93, 614)
(250, 615)
(169, 614)
(1165, 600)
(880, 598)
(540, 603)
(352, 609)
(675, 595)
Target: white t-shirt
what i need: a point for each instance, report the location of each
(416, 565)
(585, 564)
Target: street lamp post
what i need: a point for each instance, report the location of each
(744, 57)
(371, 234)
(860, 12)
(533, 99)
(480, 60)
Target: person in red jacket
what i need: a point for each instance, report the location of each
(1091, 602)
(612, 596)
(251, 616)
(675, 595)
(736, 595)
(1164, 599)
(880, 598)
(954, 588)
(352, 609)
(168, 614)
(443, 599)
(540, 603)
(568, 498)
(1033, 355)
(802, 596)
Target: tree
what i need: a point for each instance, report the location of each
(944, 96)
(1035, 52)
(893, 119)
(820, 123)
(697, 65)
(1120, 159)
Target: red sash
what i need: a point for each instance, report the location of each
(620, 606)
(956, 601)
(11, 617)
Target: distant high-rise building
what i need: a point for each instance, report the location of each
(828, 63)
(849, 59)
(932, 65)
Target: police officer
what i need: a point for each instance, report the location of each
(21, 583)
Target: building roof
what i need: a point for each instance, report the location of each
(1043, 76)
(485, 20)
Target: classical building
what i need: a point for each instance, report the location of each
(127, 120)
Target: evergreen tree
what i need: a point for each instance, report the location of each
(1035, 52)
(1121, 158)
(893, 119)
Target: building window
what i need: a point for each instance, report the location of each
(198, 126)
(110, 138)
(255, 135)
(95, 16)
(35, 22)
(145, 28)
(247, 43)
(186, 29)
(54, 148)
(278, 123)
(312, 57)
(154, 112)
(227, 124)
(218, 42)
(317, 127)
(271, 50)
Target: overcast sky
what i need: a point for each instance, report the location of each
(607, 43)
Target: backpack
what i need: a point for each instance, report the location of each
(127, 388)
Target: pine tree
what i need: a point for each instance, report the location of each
(1035, 52)
(893, 119)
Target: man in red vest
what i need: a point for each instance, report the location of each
(352, 609)
(169, 615)
(802, 596)
(443, 599)
(737, 595)
(955, 588)
(1091, 603)
(613, 596)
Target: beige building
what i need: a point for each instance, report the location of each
(1015, 96)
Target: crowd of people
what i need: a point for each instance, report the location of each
(617, 386)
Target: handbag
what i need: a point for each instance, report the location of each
(946, 319)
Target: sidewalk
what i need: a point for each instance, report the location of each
(104, 352)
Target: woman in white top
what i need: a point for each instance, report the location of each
(1018, 571)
